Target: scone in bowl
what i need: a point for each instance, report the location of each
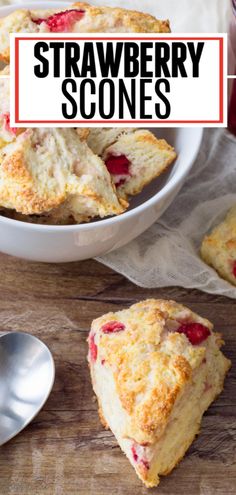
(64, 243)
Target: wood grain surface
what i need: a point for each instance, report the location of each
(65, 450)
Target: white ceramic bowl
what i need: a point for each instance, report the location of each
(78, 242)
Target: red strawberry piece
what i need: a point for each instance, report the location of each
(6, 120)
(103, 362)
(120, 183)
(93, 348)
(195, 332)
(136, 458)
(145, 463)
(118, 165)
(234, 268)
(61, 21)
(112, 327)
(134, 453)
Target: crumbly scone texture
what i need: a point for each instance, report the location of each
(92, 19)
(151, 383)
(100, 138)
(7, 134)
(218, 249)
(146, 157)
(48, 169)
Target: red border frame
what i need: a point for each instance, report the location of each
(132, 121)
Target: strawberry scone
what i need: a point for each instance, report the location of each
(155, 368)
(219, 247)
(134, 158)
(79, 18)
(54, 171)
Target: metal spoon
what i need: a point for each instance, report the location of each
(27, 374)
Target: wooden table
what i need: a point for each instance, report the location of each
(65, 450)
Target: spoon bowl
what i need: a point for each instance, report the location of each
(27, 375)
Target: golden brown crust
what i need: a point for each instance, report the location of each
(83, 133)
(102, 419)
(28, 201)
(145, 322)
(35, 179)
(154, 382)
(5, 56)
(134, 21)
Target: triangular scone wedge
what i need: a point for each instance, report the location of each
(218, 248)
(46, 168)
(77, 18)
(135, 158)
(155, 368)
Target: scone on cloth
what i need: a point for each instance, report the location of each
(46, 169)
(218, 249)
(133, 157)
(77, 18)
(155, 368)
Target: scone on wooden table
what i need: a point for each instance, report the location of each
(134, 159)
(155, 368)
(79, 18)
(45, 169)
(219, 247)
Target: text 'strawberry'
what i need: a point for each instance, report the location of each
(61, 21)
(112, 327)
(195, 332)
(118, 165)
(93, 348)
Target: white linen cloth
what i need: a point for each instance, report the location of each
(167, 254)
